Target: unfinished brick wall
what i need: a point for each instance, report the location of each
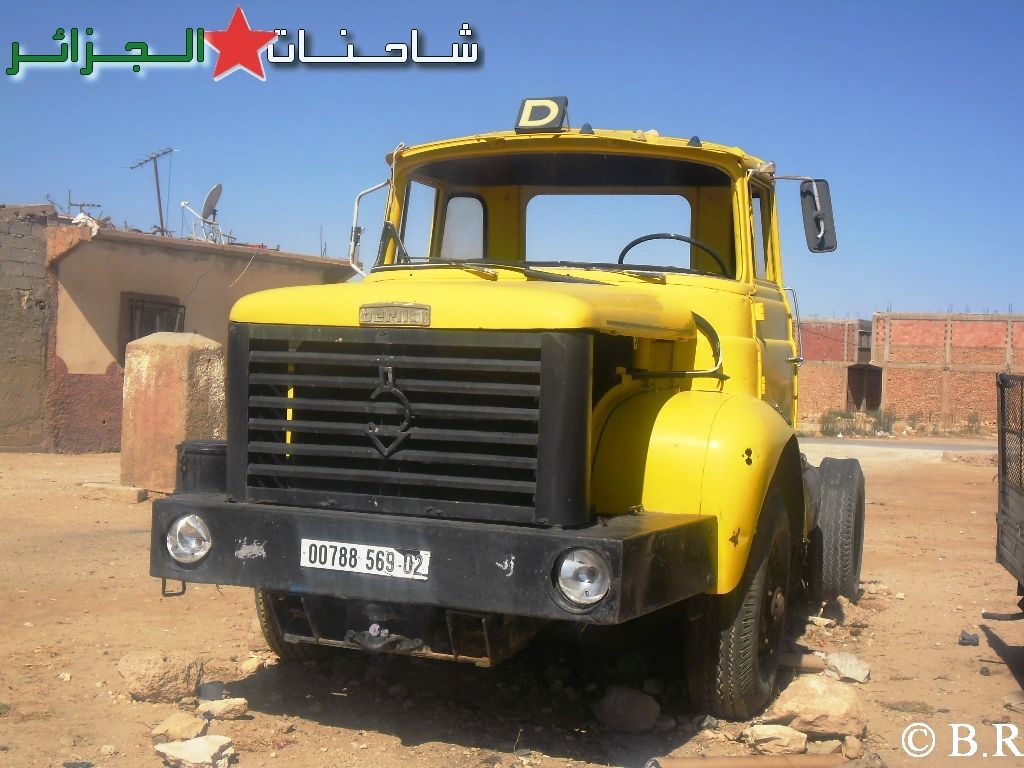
(913, 392)
(942, 368)
(26, 314)
(835, 340)
(822, 387)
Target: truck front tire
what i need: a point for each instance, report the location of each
(267, 609)
(732, 646)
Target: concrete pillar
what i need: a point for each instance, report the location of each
(173, 391)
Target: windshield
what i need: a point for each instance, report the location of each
(567, 209)
(588, 228)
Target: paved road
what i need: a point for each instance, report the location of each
(985, 446)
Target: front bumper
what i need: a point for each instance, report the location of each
(656, 559)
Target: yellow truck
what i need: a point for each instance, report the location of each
(565, 391)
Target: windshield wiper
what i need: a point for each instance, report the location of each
(654, 273)
(535, 274)
(486, 269)
(654, 277)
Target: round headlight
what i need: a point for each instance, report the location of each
(189, 539)
(582, 576)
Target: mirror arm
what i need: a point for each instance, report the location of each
(798, 359)
(357, 231)
(817, 200)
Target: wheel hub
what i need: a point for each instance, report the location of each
(778, 605)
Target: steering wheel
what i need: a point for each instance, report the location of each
(682, 238)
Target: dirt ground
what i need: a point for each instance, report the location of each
(75, 595)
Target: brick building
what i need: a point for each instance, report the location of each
(936, 369)
(72, 297)
(941, 368)
(837, 373)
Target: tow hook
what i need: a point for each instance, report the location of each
(381, 641)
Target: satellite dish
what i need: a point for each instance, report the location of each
(210, 206)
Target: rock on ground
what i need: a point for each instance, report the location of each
(827, 747)
(848, 667)
(818, 706)
(180, 726)
(224, 709)
(775, 739)
(204, 752)
(250, 666)
(852, 748)
(627, 709)
(166, 677)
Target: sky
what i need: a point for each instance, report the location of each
(912, 111)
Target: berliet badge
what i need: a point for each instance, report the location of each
(395, 314)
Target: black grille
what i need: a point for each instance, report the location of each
(410, 421)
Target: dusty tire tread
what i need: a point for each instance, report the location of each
(275, 637)
(841, 526)
(721, 670)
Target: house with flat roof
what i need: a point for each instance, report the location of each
(72, 297)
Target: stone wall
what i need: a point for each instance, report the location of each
(26, 316)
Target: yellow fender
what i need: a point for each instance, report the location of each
(693, 452)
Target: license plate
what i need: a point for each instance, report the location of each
(363, 558)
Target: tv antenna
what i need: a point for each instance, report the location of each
(208, 224)
(71, 204)
(153, 157)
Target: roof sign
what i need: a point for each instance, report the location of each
(542, 115)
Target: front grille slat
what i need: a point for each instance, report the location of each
(451, 411)
(406, 384)
(420, 433)
(400, 478)
(414, 362)
(418, 457)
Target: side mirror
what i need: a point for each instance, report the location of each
(819, 223)
(356, 233)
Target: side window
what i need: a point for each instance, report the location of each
(759, 204)
(418, 219)
(464, 229)
(142, 314)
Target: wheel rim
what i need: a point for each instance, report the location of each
(773, 611)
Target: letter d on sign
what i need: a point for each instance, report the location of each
(542, 115)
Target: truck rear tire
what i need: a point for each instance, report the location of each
(839, 538)
(732, 647)
(267, 613)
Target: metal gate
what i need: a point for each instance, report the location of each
(1010, 527)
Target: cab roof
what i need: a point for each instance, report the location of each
(578, 139)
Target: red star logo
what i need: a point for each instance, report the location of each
(239, 46)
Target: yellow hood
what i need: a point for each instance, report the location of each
(471, 303)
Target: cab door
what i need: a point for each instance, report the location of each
(772, 321)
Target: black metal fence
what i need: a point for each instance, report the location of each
(1011, 430)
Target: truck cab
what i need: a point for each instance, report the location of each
(565, 390)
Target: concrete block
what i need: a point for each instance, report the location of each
(114, 492)
(18, 248)
(21, 283)
(23, 228)
(173, 391)
(13, 268)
